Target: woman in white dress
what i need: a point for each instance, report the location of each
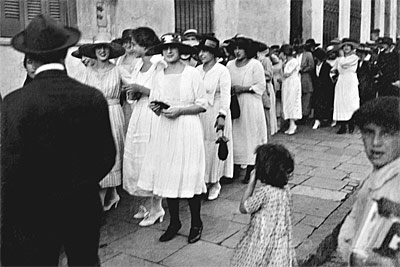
(291, 88)
(248, 83)
(108, 78)
(217, 120)
(141, 124)
(347, 98)
(175, 160)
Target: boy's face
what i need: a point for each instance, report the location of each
(381, 146)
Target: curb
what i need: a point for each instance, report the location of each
(323, 241)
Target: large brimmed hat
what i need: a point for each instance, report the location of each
(311, 42)
(191, 32)
(348, 41)
(211, 44)
(320, 54)
(171, 39)
(364, 48)
(78, 52)
(385, 40)
(44, 35)
(260, 46)
(103, 39)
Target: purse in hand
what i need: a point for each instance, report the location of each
(235, 108)
(222, 148)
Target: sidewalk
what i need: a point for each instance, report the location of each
(328, 169)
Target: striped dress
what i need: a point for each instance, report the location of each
(109, 82)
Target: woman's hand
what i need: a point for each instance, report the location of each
(134, 87)
(171, 113)
(220, 123)
(155, 108)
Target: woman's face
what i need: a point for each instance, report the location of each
(30, 69)
(206, 56)
(171, 54)
(240, 53)
(128, 45)
(139, 50)
(102, 52)
(282, 56)
(347, 49)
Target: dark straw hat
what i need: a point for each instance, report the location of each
(103, 39)
(78, 52)
(171, 39)
(211, 44)
(44, 35)
(260, 46)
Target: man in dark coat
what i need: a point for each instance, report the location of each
(366, 87)
(56, 146)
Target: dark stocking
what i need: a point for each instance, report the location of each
(248, 172)
(195, 206)
(173, 206)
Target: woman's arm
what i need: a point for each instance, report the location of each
(136, 88)
(174, 112)
(248, 193)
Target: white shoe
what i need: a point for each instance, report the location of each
(316, 125)
(333, 124)
(291, 131)
(141, 213)
(113, 203)
(214, 191)
(152, 219)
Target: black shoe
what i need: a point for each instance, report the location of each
(225, 180)
(171, 232)
(342, 129)
(195, 234)
(351, 128)
(246, 180)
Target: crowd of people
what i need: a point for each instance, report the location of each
(182, 116)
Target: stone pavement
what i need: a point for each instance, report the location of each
(328, 168)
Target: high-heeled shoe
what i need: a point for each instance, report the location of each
(195, 234)
(316, 125)
(142, 213)
(151, 219)
(291, 131)
(112, 203)
(171, 232)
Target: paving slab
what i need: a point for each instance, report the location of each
(298, 179)
(313, 221)
(325, 183)
(233, 240)
(200, 254)
(300, 233)
(123, 260)
(313, 206)
(216, 230)
(354, 168)
(320, 163)
(319, 193)
(326, 173)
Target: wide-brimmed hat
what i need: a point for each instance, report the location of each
(311, 42)
(348, 41)
(171, 39)
(78, 52)
(364, 48)
(191, 32)
(320, 54)
(385, 40)
(44, 35)
(260, 46)
(103, 39)
(211, 44)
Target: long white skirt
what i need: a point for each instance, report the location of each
(174, 164)
(347, 99)
(215, 168)
(291, 98)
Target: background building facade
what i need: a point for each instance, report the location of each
(270, 21)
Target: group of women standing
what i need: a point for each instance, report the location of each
(178, 113)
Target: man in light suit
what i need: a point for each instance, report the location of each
(56, 145)
(306, 62)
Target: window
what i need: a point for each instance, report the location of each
(15, 15)
(194, 14)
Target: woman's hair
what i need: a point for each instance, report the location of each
(287, 50)
(273, 164)
(247, 45)
(381, 111)
(145, 37)
(127, 35)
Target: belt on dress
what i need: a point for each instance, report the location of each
(113, 101)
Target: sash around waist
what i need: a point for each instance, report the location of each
(113, 101)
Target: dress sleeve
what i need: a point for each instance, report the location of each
(225, 87)
(258, 85)
(290, 67)
(349, 61)
(198, 88)
(255, 202)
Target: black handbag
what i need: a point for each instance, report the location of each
(235, 108)
(223, 147)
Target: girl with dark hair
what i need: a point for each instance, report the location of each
(268, 239)
(30, 69)
(248, 83)
(141, 123)
(291, 88)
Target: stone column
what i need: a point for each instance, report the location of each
(379, 20)
(344, 18)
(365, 21)
(313, 20)
(393, 19)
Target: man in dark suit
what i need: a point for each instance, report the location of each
(306, 62)
(56, 146)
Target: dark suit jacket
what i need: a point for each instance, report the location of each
(366, 87)
(56, 145)
(322, 98)
(306, 70)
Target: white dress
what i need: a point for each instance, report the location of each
(217, 83)
(346, 99)
(141, 122)
(250, 129)
(174, 164)
(291, 91)
(109, 82)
